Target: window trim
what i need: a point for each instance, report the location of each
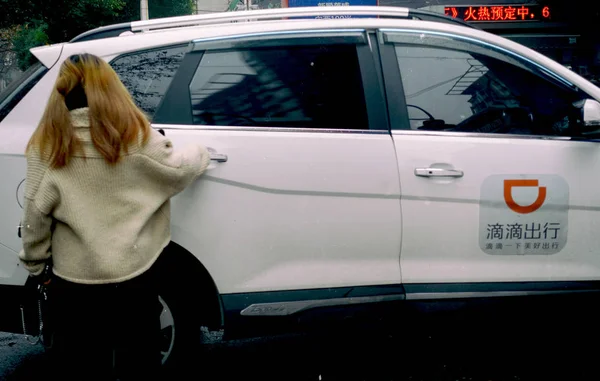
(279, 38)
(375, 104)
(399, 120)
(487, 135)
(176, 108)
(197, 127)
(394, 87)
(381, 96)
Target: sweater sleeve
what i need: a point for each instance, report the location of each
(175, 168)
(36, 231)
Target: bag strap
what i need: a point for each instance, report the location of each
(42, 297)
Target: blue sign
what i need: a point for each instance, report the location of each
(330, 3)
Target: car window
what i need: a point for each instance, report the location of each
(16, 90)
(147, 75)
(465, 91)
(294, 87)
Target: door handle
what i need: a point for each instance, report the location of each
(218, 157)
(438, 172)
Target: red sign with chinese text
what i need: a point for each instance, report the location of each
(500, 13)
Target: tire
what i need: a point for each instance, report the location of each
(180, 329)
(189, 300)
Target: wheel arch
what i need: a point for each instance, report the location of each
(186, 271)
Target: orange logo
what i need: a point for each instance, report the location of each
(508, 198)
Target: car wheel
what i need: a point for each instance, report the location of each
(180, 331)
(167, 329)
(188, 300)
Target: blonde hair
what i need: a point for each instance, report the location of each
(115, 120)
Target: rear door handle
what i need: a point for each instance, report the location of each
(218, 157)
(438, 172)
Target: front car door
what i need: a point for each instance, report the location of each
(498, 185)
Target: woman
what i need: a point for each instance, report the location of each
(98, 185)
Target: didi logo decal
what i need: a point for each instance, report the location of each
(523, 214)
(523, 209)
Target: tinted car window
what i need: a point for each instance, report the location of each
(455, 90)
(12, 95)
(303, 87)
(147, 75)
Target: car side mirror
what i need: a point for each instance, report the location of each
(589, 117)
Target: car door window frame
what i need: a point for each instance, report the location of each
(393, 84)
(394, 88)
(176, 108)
(153, 49)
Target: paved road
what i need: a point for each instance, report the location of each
(365, 357)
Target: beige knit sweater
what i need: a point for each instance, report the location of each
(103, 223)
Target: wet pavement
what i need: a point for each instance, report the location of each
(351, 355)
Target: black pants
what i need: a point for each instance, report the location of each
(105, 332)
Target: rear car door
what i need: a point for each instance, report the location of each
(497, 181)
(309, 195)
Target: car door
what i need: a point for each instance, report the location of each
(497, 184)
(309, 195)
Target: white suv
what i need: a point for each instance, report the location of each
(394, 157)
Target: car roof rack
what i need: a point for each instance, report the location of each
(421, 14)
(264, 15)
(103, 32)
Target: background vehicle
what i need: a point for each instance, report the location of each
(358, 161)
